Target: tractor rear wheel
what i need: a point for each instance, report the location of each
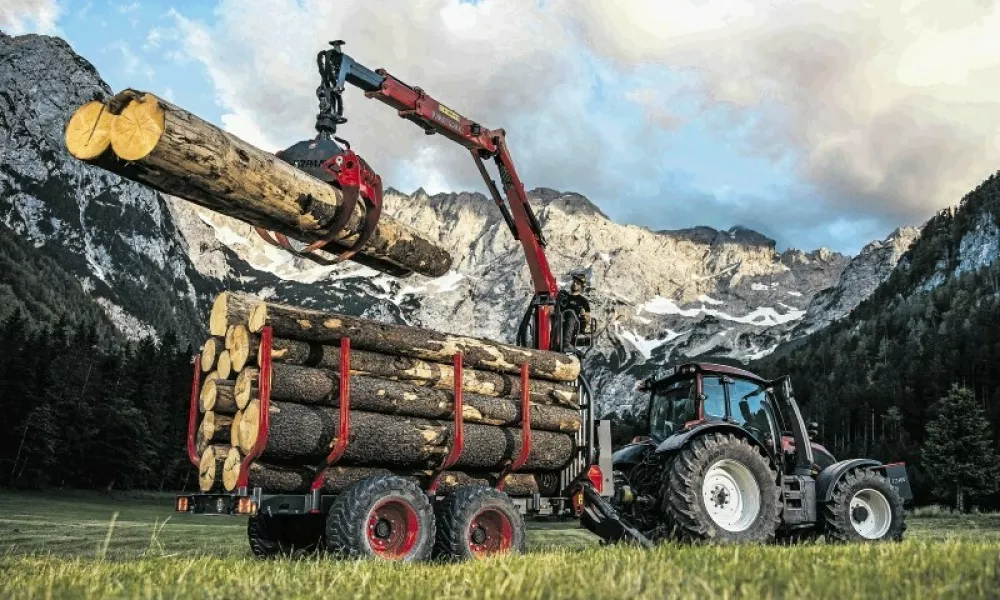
(864, 508)
(720, 488)
(476, 522)
(385, 517)
(274, 536)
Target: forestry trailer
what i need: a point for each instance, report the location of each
(726, 456)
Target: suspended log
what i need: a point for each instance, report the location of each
(209, 352)
(419, 372)
(315, 326)
(307, 385)
(275, 479)
(210, 467)
(229, 309)
(304, 434)
(88, 133)
(170, 149)
(218, 396)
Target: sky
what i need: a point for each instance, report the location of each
(816, 122)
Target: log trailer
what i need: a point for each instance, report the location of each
(726, 457)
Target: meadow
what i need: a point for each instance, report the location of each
(88, 545)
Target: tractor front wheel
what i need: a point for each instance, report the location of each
(864, 508)
(721, 488)
(385, 517)
(476, 522)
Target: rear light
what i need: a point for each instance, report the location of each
(596, 478)
(182, 504)
(246, 506)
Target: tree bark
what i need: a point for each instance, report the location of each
(281, 479)
(420, 372)
(316, 326)
(209, 352)
(229, 309)
(307, 385)
(210, 467)
(218, 396)
(171, 150)
(304, 434)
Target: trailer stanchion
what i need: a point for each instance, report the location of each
(264, 423)
(522, 457)
(344, 425)
(458, 439)
(193, 414)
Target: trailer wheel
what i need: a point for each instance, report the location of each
(385, 517)
(720, 488)
(864, 508)
(274, 536)
(476, 522)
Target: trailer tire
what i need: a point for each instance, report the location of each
(275, 536)
(385, 517)
(475, 522)
(865, 508)
(720, 488)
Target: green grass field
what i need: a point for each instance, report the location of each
(92, 546)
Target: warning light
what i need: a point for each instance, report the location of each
(246, 506)
(182, 504)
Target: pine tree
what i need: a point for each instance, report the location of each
(958, 450)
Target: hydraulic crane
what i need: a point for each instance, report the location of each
(331, 159)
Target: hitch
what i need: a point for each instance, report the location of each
(601, 519)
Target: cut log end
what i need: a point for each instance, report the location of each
(231, 469)
(210, 466)
(224, 365)
(240, 346)
(234, 430)
(88, 133)
(258, 317)
(249, 426)
(209, 352)
(245, 383)
(137, 130)
(228, 309)
(209, 392)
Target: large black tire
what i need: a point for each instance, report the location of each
(385, 517)
(865, 521)
(284, 535)
(684, 499)
(475, 522)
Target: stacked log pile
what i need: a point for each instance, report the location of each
(402, 401)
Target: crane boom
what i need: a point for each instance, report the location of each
(413, 104)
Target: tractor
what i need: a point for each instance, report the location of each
(727, 457)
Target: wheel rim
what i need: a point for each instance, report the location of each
(871, 514)
(392, 529)
(490, 532)
(731, 495)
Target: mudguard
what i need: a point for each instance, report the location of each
(629, 455)
(677, 441)
(829, 476)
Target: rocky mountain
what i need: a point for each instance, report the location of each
(151, 264)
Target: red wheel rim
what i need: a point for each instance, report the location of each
(392, 529)
(490, 533)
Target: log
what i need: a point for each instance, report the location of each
(304, 434)
(234, 430)
(316, 326)
(282, 479)
(209, 353)
(217, 396)
(210, 466)
(88, 132)
(420, 372)
(214, 428)
(185, 156)
(307, 385)
(244, 347)
(246, 387)
(229, 309)
(231, 469)
(224, 366)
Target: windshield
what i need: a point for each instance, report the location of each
(671, 407)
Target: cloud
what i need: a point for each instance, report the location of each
(23, 16)
(889, 108)
(131, 63)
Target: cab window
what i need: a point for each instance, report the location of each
(715, 396)
(670, 408)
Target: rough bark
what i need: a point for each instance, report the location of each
(210, 467)
(218, 396)
(420, 372)
(229, 309)
(307, 385)
(304, 434)
(276, 478)
(209, 352)
(170, 149)
(316, 326)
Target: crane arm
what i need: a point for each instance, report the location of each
(413, 104)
